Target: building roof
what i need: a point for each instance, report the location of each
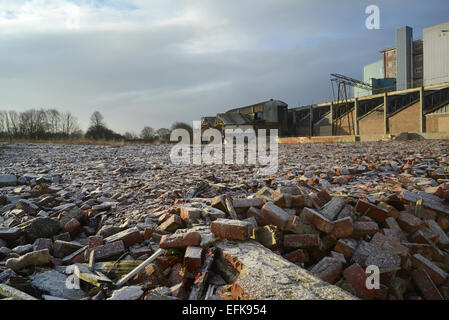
(209, 120)
(388, 49)
(234, 119)
(271, 101)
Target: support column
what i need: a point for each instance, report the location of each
(356, 114)
(386, 129)
(311, 121)
(421, 110)
(332, 118)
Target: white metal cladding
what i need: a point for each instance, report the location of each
(436, 54)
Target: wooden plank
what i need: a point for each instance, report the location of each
(136, 270)
(14, 294)
(230, 208)
(82, 271)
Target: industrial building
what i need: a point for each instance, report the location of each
(271, 114)
(407, 91)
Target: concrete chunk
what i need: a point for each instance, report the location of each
(266, 275)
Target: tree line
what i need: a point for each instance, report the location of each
(50, 124)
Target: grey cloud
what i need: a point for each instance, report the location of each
(145, 77)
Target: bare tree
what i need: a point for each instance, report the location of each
(69, 124)
(54, 121)
(147, 134)
(130, 136)
(97, 120)
(163, 134)
(13, 123)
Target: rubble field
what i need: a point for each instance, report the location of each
(124, 223)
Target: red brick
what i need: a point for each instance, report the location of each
(293, 190)
(409, 223)
(301, 201)
(94, 241)
(192, 259)
(337, 255)
(272, 214)
(343, 228)
(372, 211)
(356, 276)
(425, 250)
(426, 285)
(148, 233)
(172, 223)
(138, 252)
(324, 196)
(257, 214)
(129, 237)
(106, 251)
(190, 213)
(327, 269)
(72, 226)
(242, 205)
(347, 211)
(346, 247)
(378, 239)
(180, 240)
(362, 228)
(299, 256)
(231, 229)
(394, 235)
(437, 275)
(301, 240)
(424, 237)
(318, 220)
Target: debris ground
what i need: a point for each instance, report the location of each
(124, 223)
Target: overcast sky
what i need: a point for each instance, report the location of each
(153, 62)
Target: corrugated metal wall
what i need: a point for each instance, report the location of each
(436, 54)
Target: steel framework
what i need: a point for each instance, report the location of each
(340, 85)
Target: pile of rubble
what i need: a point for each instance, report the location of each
(96, 230)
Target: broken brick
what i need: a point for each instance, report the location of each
(327, 269)
(231, 229)
(409, 223)
(437, 275)
(356, 276)
(362, 228)
(426, 285)
(180, 240)
(272, 214)
(372, 211)
(192, 259)
(301, 240)
(343, 228)
(315, 218)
